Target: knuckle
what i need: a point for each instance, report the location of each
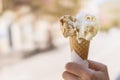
(90, 76)
(68, 65)
(64, 74)
(105, 67)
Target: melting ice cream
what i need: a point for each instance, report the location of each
(83, 27)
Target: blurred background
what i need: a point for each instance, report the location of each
(33, 48)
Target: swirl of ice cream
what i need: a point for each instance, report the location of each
(88, 27)
(83, 27)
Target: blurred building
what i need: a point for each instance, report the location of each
(16, 27)
(30, 19)
(57, 8)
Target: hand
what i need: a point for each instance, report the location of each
(96, 71)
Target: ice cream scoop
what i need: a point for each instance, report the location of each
(86, 28)
(80, 31)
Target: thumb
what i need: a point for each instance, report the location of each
(97, 66)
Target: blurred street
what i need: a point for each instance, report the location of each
(44, 66)
(49, 65)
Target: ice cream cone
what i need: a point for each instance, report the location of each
(80, 32)
(81, 49)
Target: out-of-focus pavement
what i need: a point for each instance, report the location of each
(104, 48)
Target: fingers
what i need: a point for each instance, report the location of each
(97, 66)
(96, 71)
(100, 68)
(77, 69)
(69, 76)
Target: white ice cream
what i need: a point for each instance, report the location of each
(88, 26)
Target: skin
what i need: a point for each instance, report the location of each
(96, 71)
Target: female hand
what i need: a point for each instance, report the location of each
(96, 71)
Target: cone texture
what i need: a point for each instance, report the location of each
(81, 49)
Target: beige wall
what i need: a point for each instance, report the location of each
(7, 4)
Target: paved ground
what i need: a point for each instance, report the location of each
(104, 48)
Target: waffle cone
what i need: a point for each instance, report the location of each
(81, 49)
